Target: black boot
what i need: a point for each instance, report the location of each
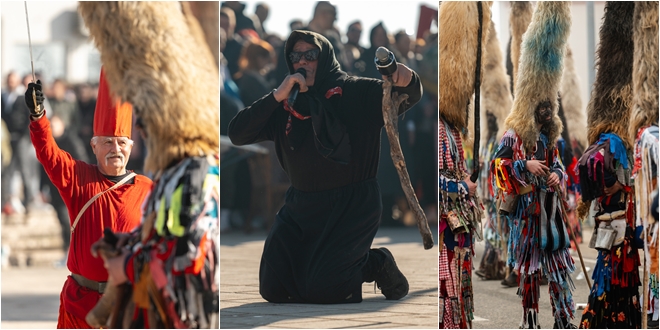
(382, 268)
(650, 323)
(511, 281)
(564, 323)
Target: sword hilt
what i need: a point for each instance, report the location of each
(37, 107)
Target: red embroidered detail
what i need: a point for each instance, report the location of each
(333, 91)
(294, 112)
(288, 125)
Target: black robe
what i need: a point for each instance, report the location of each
(321, 237)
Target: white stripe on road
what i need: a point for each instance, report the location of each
(479, 319)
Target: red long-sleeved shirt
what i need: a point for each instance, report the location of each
(77, 182)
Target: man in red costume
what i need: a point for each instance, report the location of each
(97, 196)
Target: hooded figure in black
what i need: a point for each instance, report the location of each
(328, 143)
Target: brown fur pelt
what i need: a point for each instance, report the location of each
(611, 98)
(459, 25)
(519, 19)
(540, 71)
(207, 14)
(576, 119)
(495, 91)
(152, 60)
(583, 209)
(645, 67)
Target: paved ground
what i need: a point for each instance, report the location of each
(498, 307)
(241, 306)
(31, 297)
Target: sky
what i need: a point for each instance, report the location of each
(395, 15)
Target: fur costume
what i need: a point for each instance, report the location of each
(539, 74)
(207, 14)
(160, 73)
(611, 98)
(495, 92)
(538, 239)
(509, 66)
(459, 24)
(576, 121)
(610, 105)
(519, 19)
(644, 126)
(157, 58)
(497, 102)
(460, 214)
(614, 298)
(645, 67)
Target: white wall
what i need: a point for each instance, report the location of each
(60, 50)
(578, 39)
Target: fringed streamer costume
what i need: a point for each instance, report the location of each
(460, 211)
(496, 228)
(572, 189)
(538, 242)
(497, 101)
(604, 173)
(614, 299)
(538, 239)
(173, 265)
(463, 35)
(645, 174)
(644, 129)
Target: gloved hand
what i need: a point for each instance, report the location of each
(36, 110)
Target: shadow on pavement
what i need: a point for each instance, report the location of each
(22, 307)
(252, 315)
(394, 234)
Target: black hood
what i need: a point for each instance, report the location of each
(332, 140)
(328, 70)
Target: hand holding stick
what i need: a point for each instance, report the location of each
(391, 103)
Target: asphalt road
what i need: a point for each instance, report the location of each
(499, 307)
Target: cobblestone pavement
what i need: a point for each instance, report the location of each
(241, 306)
(31, 297)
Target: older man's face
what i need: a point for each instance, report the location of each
(309, 65)
(112, 154)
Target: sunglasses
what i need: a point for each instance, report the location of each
(310, 55)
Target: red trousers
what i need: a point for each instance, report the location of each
(75, 302)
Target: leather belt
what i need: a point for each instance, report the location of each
(612, 216)
(92, 285)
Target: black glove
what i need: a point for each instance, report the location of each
(39, 98)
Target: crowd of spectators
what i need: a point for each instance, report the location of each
(252, 65)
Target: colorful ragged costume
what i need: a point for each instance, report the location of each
(459, 211)
(645, 174)
(643, 129)
(460, 216)
(614, 299)
(176, 250)
(604, 171)
(496, 228)
(497, 101)
(538, 240)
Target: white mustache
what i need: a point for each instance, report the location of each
(108, 156)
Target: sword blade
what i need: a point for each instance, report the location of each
(27, 20)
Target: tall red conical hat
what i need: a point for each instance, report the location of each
(111, 116)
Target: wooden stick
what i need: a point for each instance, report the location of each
(570, 232)
(645, 284)
(391, 103)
